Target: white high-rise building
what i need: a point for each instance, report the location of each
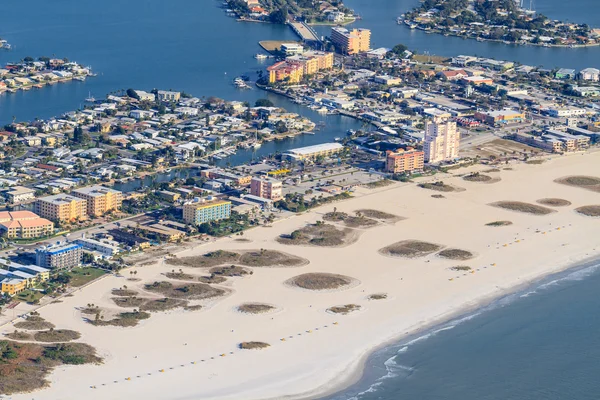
(442, 140)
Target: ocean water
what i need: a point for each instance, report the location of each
(539, 343)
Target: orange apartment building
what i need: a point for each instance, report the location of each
(408, 160)
(267, 188)
(289, 71)
(351, 42)
(99, 199)
(61, 207)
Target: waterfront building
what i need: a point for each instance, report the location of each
(267, 188)
(161, 232)
(288, 71)
(17, 277)
(200, 211)
(100, 199)
(499, 117)
(589, 74)
(565, 73)
(59, 256)
(290, 49)
(218, 173)
(106, 249)
(61, 207)
(145, 96)
(24, 225)
(129, 239)
(313, 61)
(442, 140)
(569, 141)
(409, 160)
(19, 194)
(312, 152)
(351, 42)
(168, 96)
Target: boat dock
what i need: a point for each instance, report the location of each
(306, 33)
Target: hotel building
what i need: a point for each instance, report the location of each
(313, 61)
(200, 211)
(24, 225)
(99, 199)
(404, 161)
(59, 256)
(351, 42)
(442, 140)
(61, 207)
(289, 71)
(266, 188)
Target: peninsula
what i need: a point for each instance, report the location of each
(501, 21)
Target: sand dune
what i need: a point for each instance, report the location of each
(181, 354)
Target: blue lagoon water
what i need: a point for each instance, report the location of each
(541, 343)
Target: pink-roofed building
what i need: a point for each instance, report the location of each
(24, 225)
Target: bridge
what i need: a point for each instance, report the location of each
(306, 33)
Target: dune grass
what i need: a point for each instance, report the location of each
(410, 249)
(522, 207)
(320, 281)
(589, 211)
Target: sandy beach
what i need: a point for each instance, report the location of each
(182, 354)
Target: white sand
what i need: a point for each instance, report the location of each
(419, 293)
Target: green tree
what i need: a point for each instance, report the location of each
(263, 103)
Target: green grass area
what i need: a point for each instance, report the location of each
(30, 296)
(82, 275)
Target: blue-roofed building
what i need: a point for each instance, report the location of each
(59, 256)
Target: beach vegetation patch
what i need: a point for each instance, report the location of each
(320, 281)
(378, 296)
(581, 181)
(455, 254)
(24, 366)
(345, 309)
(270, 258)
(552, 202)
(255, 308)
(253, 345)
(499, 223)
(164, 304)
(129, 302)
(56, 335)
(123, 291)
(359, 221)
(439, 186)
(207, 260)
(319, 234)
(192, 291)
(376, 214)
(478, 177)
(19, 335)
(34, 322)
(410, 249)
(124, 319)
(438, 196)
(379, 184)
(590, 211)
(534, 162)
(181, 276)
(522, 207)
(230, 271)
(460, 268)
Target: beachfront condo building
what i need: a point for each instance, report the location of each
(24, 225)
(200, 211)
(442, 140)
(99, 199)
(351, 42)
(313, 61)
(401, 161)
(285, 71)
(168, 96)
(61, 207)
(267, 188)
(59, 256)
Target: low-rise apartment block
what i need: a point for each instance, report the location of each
(100, 199)
(15, 277)
(61, 207)
(59, 256)
(312, 152)
(200, 211)
(19, 194)
(313, 61)
(24, 225)
(266, 188)
(401, 161)
(286, 71)
(106, 249)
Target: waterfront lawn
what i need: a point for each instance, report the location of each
(30, 296)
(82, 275)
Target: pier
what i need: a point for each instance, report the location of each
(306, 33)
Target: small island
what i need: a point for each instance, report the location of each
(278, 12)
(500, 21)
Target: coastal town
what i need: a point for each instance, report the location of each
(507, 21)
(109, 213)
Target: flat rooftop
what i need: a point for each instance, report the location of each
(95, 191)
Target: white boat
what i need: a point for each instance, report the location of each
(256, 145)
(259, 56)
(90, 98)
(323, 110)
(79, 78)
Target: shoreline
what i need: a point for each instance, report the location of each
(356, 369)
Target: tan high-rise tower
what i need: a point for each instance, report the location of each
(442, 140)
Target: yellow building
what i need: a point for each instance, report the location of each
(351, 42)
(201, 211)
(286, 71)
(168, 196)
(313, 61)
(61, 207)
(12, 286)
(100, 199)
